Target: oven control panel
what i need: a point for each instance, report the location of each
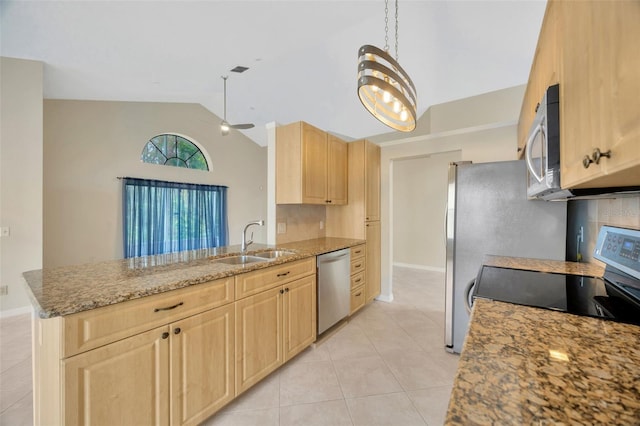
(620, 248)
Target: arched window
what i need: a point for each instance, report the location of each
(174, 150)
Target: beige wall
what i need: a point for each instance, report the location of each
(419, 199)
(88, 144)
(20, 177)
(488, 137)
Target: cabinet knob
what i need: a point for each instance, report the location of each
(176, 330)
(586, 161)
(286, 290)
(281, 291)
(165, 335)
(597, 155)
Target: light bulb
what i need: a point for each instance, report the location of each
(396, 106)
(386, 96)
(404, 115)
(374, 88)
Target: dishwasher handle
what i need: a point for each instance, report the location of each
(331, 258)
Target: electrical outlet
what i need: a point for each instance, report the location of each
(282, 228)
(4, 290)
(321, 224)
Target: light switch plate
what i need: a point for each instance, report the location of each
(282, 228)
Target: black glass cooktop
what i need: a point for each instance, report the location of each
(576, 294)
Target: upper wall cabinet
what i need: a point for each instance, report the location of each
(544, 72)
(600, 94)
(591, 49)
(311, 166)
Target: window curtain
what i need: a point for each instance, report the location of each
(162, 217)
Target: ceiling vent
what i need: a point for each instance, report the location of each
(239, 69)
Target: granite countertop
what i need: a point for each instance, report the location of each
(544, 265)
(524, 365)
(70, 289)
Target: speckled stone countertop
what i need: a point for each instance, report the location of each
(71, 289)
(544, 265)
(523, 365)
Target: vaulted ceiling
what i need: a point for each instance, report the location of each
(302, 55)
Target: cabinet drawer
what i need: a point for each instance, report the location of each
(357, 252)
(358, 298)
(264, 279)
(357, 265)
(357, 280)
(97, 327)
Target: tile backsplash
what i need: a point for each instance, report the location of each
(302, 222)
(592, 214)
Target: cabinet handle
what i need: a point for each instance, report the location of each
(358, 251)
(359, 294)
(176, 330)
(281, 291)
(358, 265)
(168, 308)
(358, 280)
(165, 335)
(597, 155)
(284, 274)
(286, 290)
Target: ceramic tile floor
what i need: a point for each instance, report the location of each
(386, 366)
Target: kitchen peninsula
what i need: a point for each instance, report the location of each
(524, 365)
(168, 339)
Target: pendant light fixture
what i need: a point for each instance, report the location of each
(384, 88)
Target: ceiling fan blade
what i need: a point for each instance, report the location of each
(242, 126)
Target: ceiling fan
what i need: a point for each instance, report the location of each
(225, 126)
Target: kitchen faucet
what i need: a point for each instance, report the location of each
(246, 243)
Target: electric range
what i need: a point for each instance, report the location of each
(615, 296)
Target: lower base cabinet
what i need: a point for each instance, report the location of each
(202, 350)
(187, 366)
(272, 327)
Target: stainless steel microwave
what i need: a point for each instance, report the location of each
(542, 155)
(542, 152)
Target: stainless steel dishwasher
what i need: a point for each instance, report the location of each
(334, 287)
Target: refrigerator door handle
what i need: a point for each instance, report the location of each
(468, 295)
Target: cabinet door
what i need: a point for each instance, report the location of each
(258, 337)
(372, 274)
(314, 165)
(600, 92)
(372, 166)
(544, 71)
(126, 382)
(337, 171)
(202, 365)
(299, 311)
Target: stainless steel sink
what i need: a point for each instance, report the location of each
(239, 260)
(273, 254)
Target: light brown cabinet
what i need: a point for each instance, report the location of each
(126, 382)
(171, 358)
(372, 258)
(600, 93)
(590, 49)
(311, 166)
(360, 218)
(181, 372)
(272, 327)
(544, 72)
(358, 269)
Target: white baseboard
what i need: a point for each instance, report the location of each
(423, 267)
(15, 312)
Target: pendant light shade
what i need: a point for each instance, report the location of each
(385, 89)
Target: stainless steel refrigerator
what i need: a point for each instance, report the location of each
(488, 213)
